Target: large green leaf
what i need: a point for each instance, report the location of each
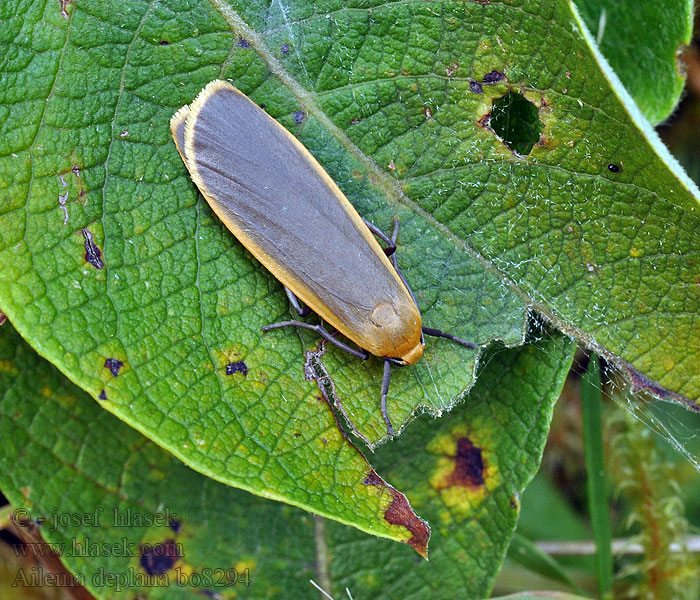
(116, 271)
(62, 457)
(643, 41)
(99, 486)
(497, 436)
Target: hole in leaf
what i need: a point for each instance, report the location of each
(516, 121)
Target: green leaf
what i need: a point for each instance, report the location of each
(113, 267)
(465, 474)
(642, 41)
(62, 457)
(528, 555)
(106, 494)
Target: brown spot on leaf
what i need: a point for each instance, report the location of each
(469, 466)
(113, 365)
(164, 43)
(93, 254)
(544, 141)
(103, 395)
(355, 121)
(484, 121)
(400, 513)
(159, 558)
(237, 367)
(476, 87)
(174, 525)
(64, 5)
(75, 170)
(243, 43)
(3, 318)
(284, 49)
(452, 69)
(299, 117)
(427, 112)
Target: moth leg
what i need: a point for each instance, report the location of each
(389, 241)
(449, 336)
(322, 332)
(303, 311)
(385, 390)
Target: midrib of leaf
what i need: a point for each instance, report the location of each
(386, 183)
(394, 195)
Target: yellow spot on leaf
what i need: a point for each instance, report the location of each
(8, 367)
(242, 565)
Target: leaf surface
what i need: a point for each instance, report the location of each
(649, 65)
(115, 269)
(99, 487)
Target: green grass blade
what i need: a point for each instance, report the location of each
(591, 404)
(526, 554)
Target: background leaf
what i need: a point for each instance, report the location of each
(61, 455)
(643, 41)
(116, 271)
(497, 435)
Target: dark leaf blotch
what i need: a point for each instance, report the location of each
(113, 365)
(493, 77)
(93, 254)
(469, 466)
(159, 558)
(237, 367)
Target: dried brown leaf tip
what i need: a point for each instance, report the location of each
(400, 512)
